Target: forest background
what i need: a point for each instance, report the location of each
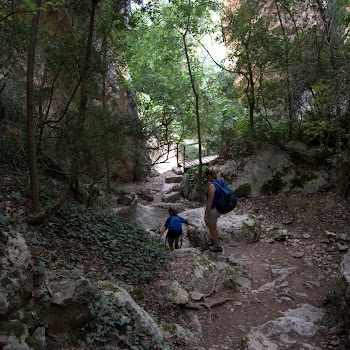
(70, 69)
(90, 88)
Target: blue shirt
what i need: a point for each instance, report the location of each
(174, 223)
(222, 183)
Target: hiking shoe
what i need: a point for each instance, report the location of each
(215, 248)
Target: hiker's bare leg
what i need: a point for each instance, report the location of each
(213, 229)
(171, 246)
(177, 242)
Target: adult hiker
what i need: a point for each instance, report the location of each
(211, 213)
(174, 226)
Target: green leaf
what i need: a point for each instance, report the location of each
(146, 344)
(4, 220)
(35, 241)
(16, 195)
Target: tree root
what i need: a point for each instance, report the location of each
(213, 289)
(221, 302)
(209, 307)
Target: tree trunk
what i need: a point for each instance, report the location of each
(287, 68)
(251, 100)
(74, 168)
(33, 176)
(250, 91)
(334, 41)
(104, 103)
(196, 95)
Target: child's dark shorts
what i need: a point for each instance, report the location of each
(171, 236)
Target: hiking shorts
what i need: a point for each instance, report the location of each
(213, 216)
(171, 236)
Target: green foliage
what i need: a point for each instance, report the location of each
(4, 221)
(156, 62)
(319, 132)
(158, 66)
(12, 327)
(192, 177)
(243, 191)
(138, 294)
(130, 249)
(300, 181)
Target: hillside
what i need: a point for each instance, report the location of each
(305, 261)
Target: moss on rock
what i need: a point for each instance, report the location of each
(12, 327)
(253, 231)
(244, 190)
(138, 294)
(202, 261)
(276, 184)
(300, 181)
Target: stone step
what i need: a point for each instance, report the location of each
(171, 177)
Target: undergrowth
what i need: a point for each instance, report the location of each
(126, 247)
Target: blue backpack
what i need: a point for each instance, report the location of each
(227, 200)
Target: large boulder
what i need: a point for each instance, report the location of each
(135, 324)
(48, 313)
(234, 229)
(266, 169)
(65, 299)
(296, 329)
(16, 283)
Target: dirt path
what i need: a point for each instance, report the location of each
(302, 269)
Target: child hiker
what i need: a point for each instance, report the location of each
(174, 226)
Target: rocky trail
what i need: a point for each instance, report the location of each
(282, 292)
(297, 270)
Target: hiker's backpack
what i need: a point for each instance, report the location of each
(175, 224)
(227, 200)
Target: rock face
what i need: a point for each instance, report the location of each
(16, 284)
(33, 310)
(41, 314)
(257, 168)
(132, 316)
(126, 152)
(264, 169)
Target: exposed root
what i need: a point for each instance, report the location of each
(48, 287)
(213, 289)
(287, 295)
